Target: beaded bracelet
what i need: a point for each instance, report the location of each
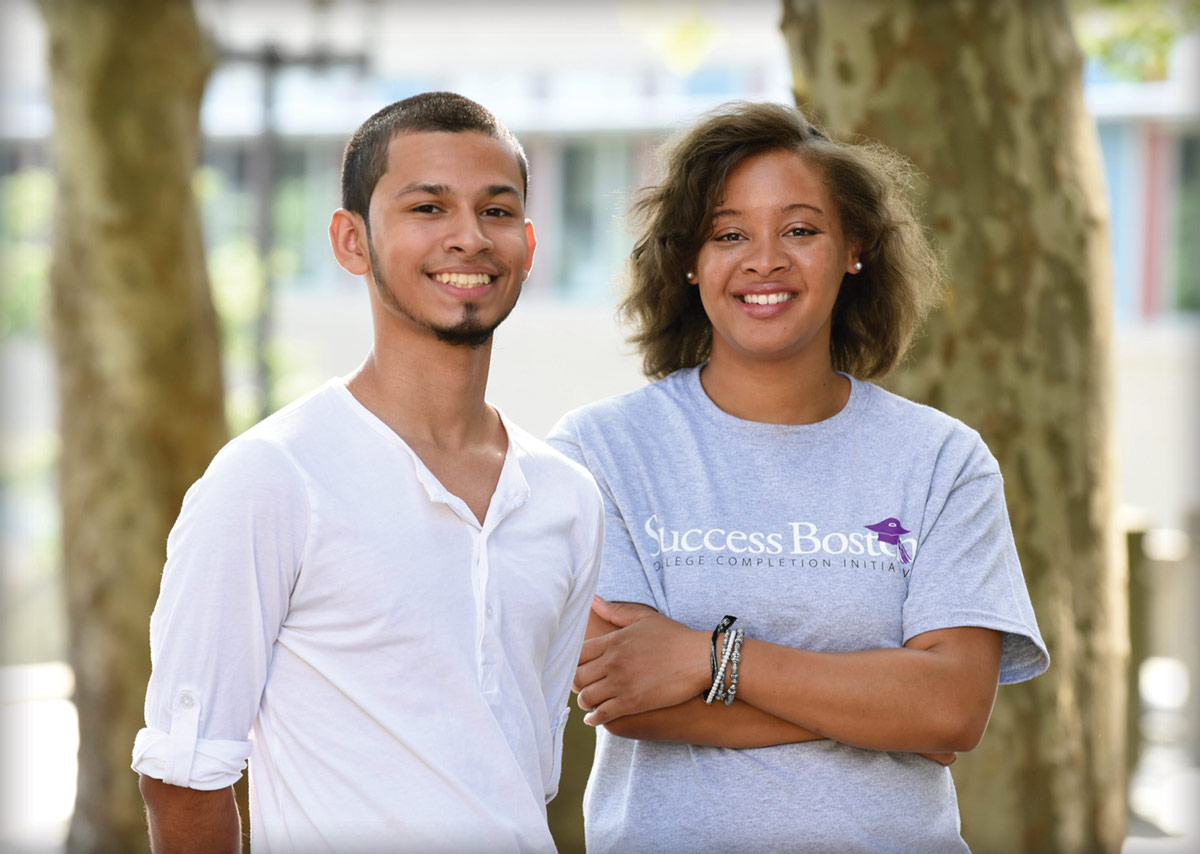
(722, 626)
(717, 691)
(735, 657)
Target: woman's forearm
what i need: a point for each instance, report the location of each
(934, 695)
(696, 722)
(717, 725)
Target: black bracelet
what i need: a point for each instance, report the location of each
(722, 626)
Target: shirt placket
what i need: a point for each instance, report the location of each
(511, 493)
(487, 613)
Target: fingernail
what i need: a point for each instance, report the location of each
(589, 720)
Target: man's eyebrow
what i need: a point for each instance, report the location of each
(503, 190)
(420, 187)
(444, 189)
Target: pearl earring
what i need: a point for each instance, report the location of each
(691, 277)
(857, 266)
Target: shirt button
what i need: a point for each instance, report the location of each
(186, 700)
(489, 610)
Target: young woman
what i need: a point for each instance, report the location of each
(860, 540)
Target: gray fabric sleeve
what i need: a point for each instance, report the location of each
(967, 574)
(622, 577)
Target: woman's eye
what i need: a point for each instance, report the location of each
(728, 236)
(801, 231)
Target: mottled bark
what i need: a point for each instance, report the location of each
(986, 99)
(135, 339)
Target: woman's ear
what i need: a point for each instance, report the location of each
(854, 262)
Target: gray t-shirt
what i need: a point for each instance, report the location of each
(858, 532)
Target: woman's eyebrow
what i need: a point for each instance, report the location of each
(720, 212)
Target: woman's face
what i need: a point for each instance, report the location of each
(770, 269)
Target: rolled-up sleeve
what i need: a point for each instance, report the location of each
(233, 557)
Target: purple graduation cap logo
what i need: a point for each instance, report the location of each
(889, 531)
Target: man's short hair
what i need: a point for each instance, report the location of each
(366, 157)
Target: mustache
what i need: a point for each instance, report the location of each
(494, 266)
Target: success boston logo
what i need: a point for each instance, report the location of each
(883, 539)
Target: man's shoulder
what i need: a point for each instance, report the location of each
(295, 421)
(273, 448)
(540, 461)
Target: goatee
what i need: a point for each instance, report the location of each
(470, 332)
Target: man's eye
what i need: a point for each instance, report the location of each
(427, 208)
(496, 212)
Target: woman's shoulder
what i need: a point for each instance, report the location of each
(647, 403)
(914, 424)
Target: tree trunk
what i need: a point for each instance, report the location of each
(135, 338)
(986, 99)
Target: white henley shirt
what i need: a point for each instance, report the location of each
(396, 672)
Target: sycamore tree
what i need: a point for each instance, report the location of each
(986, 98)
(136, 346)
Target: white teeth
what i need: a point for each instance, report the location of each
(463, 280)
(766, 299)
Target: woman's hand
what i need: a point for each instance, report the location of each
(650, 662)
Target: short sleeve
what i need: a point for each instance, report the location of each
(232, 559)
(966, 573)
(622, 577)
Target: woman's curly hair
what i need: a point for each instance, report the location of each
(877, 311)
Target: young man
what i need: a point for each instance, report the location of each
(386, 582)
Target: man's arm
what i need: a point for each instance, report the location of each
(232, 559)
(191, 821)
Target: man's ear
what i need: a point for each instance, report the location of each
(530, 244)
(348, 238)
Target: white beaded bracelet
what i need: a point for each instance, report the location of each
(735, 658)
(717, 691)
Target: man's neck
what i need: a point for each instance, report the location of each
(429, 392)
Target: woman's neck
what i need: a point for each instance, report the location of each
(774, 392)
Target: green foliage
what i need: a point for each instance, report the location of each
(236, 271)
(26, 206)
(293, 215)
(1132, 39)
(1187, 285)
(32, 610)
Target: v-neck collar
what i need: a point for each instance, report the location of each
(512, 488)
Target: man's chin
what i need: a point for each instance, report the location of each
(471, 332)
(472, 337)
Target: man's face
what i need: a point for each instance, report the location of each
(449, 243)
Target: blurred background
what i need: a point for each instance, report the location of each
(591, 89)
